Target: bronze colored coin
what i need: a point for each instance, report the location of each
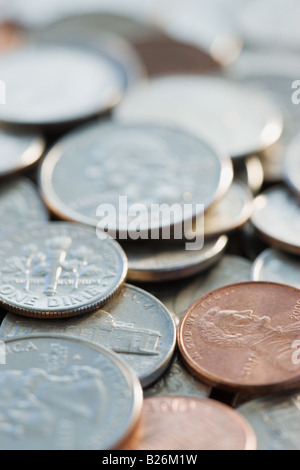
(188, 423)
(239, 337)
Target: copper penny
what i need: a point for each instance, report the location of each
(240, 337)
(187, 423)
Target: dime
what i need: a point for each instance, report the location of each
(20, 206)
(232, 117)
(55, 94)
(61, 393)
(292, 165)
(175, 380)
(276, 217)
(56, 269)
(275, 420)
(239, 337)
(129, 175)
(133, 324)
(229, 214)
(152, 262)
(19, 151)
(185, 423)
(277, 266)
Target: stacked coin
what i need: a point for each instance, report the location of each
(149, 237)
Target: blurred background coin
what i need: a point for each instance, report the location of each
(133, 324)
(63, 393)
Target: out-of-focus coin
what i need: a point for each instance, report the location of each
(90, 31)
(231, 116)
(134, 324)
(239, 337)
(250, 172)
(130, 173)
(53, 85)
(292, 164)
(175, 380)
(20, 205)
(276, 217)
(10, 36)
(148, 262)
(229, 214)
(185, 423)
(275, 420)
(57, 269)
(61, 393)
(270, 23)
(277, 266)
(19, 151)
(207, 25)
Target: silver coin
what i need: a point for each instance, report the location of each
(276, 217)
(133, 324)
(131, 170)
(20, 206)
(230, 116)
(277, 266)
(18, 151)
(250, 172)
(58, 269)
(230, 213)
(92, 31)
(62, 393)
(178, 380)
(228, 270)
(151, 262)
(270, 23)
(275, 420)
(208, 25)
(292, 164)
(51, 85)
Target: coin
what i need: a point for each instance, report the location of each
(270, 24)
(229, 214)
(61, 393)
(129, 175)
(20, 206)
(133, 324)
(57, 269)
(277, 266)
(230, 116)
(292, 165)
(183, 423)
(177, 379)
(19, 151)
(276, 217)
(238, 337)
(152, 262)
(46, 90)
(250, 172)
(275, 420)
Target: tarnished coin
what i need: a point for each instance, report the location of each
(276, 217)
(152, 262)
(228, 214)
(175, 380)
(130, 175)
(291, 165)
(61, 393)
(18, 151)
(239, 337)
(232, 117)
(185, 423)
(46, 90)
(134, 324)
(58, 269)
(20, 206)
(271, 24)
(275, 420)
(277, 266)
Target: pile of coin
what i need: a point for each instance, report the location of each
(150, 229)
